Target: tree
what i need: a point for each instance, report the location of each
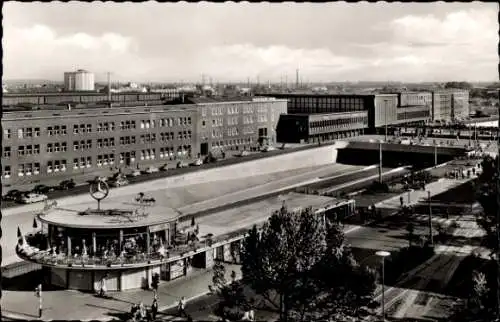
(303, 259)
(487, 197)
(232, 301)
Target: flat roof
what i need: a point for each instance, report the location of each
(126, 214)
(257, 213)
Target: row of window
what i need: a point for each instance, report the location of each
(232, 131)
(232, 142)
(262, 118)
(82, 145)
(166, 152)
(217, 133)
(106, 142)
(166, 122)
(25, 169)
(217, 122)
(413, 115)
(248, 119)
(56, 130)
(232, 120)
(337, 122)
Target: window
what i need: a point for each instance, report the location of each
(89, 128)
(29, 132)
(6, 152)
(75, 145)
(56, 130)
(6, 133)
(75, 163)
(27, 169)
(20, 150)
(89, 144)
(56, 147)
(36, 133)
(63, 130)
(6, 171)
(63, 147)
(49, 167)
(49, 147)
(88, 162)
(20, 133)
(63, 165)
(20, 170)
(75, 128)
(36, 168)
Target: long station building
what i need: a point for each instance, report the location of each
(324, 117)
(54, 142)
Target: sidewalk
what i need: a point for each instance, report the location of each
(74, 305)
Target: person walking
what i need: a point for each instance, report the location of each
(102, 286)
(154, 309)
(182, 307)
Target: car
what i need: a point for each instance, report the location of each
(196, 163)
(135, 173)
(181, 164)
(243, 153)
(32, 198)
(151, 169)
(67, 184)
(164, 167)
(42, 189)
(119, 182)
(13, 195)
(267, 148)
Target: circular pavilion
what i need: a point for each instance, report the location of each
(124, 243)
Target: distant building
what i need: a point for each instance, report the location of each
(81, 80)
(450, 104)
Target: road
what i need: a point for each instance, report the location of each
(430, 141)
(186, 198)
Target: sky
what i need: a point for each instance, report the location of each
(335, 41)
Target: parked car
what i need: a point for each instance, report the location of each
(151, 169)
(135, 173)
(13, 195)
(181, 164)
(267, 148)
(196, 163)
(243, 153)
(119, 182)
(67, 184)
(42, 189)
(32, 198)
(164, 167)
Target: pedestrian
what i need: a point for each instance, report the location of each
(182, 307)
(142, 311)
(102, 288)
(154, 309)
(401, 201)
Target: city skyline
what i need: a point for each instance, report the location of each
(236, 42)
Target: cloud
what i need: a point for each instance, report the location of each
(326, 42)
(53, 52)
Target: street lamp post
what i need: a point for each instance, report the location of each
(435, 156)
(431, 238)
(383, 255)
(385, 119)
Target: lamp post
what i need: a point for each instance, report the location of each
(385, 119)
(383, 255)
(431, 238)
(435, 156)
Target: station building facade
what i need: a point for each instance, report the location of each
(345, 115)
(45, 145)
